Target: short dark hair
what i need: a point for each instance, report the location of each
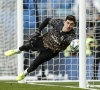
(71, 17)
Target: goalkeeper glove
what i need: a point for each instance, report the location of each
(34, 36)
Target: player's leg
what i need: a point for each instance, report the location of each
(96, 66)
(24, 47)
(95, 69)
(43, 57)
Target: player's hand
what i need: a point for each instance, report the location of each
(34, 36)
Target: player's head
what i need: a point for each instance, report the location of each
(71, 18)
(69, 23)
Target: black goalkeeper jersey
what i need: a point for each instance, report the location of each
(56, 40)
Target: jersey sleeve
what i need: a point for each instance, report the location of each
(44, 24)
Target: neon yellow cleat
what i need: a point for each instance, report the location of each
(21, 76)
(11, 52)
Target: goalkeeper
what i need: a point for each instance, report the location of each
(49, 44)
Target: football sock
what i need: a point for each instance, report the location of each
(17, 50)
(25, 72)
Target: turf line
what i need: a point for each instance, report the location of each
(62, 86)
(55, 85)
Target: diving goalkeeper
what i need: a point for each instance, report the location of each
(49, 44)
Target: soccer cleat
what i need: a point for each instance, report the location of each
(11, 52)
(21, 76)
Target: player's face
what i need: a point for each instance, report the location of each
(68, 25)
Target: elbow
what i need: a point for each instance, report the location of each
(47, 20)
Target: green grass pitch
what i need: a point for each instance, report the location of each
(13, 85)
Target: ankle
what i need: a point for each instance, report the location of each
(25, 72)
(17, 50)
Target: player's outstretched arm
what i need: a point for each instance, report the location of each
(38, 32)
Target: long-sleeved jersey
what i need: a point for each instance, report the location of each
(56, 40)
